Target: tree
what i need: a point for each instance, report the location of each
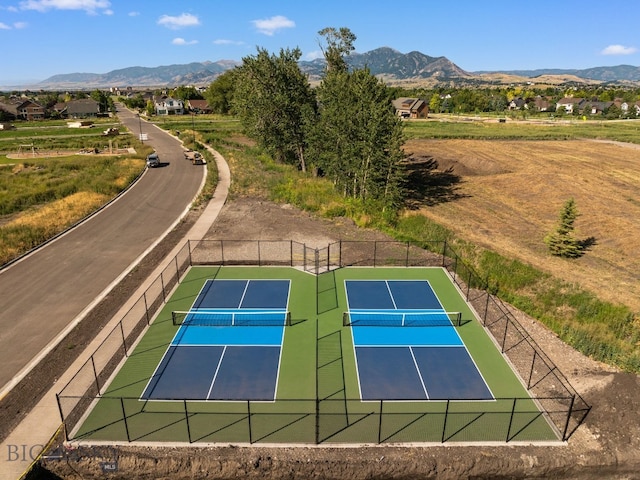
(339, 43)
(274, 101)
(561, 242)
(357, 139)
(219, 94)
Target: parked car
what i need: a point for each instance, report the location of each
(153, 160)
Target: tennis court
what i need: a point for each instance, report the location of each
(406, 346)
(278, 355)
(217, 354)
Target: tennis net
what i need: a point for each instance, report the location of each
(402, 319)
(232, 318)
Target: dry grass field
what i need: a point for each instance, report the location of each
(510, 194)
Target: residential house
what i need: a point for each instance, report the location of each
(21, 109)
(82, 108)
(517, 104)
(411, 107)
(198, 106)
(169, 106)
(540, 104)
(595, 107)
(569, 102)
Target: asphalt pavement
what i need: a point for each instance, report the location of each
(45, 294)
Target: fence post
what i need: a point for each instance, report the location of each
(164, 297)
(533, 363)
(124, 340)
(124, 417)
(95, 374)
(444, 253)
(146, 308)
(291, 252)
(186, 416)
(513, 409)
(375, 252)
(380, 424)
(259, 256)
(469, 283)
(566, 425)
(486, 309)
(444, 424)
(66, 433)
(249, 420)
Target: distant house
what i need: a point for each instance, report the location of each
(21, 109)
(596, 107)
(198, 106)
(411, 107)
(540, 104)
(82, 108)
(517, 104)
(569, 102)
(169, 106)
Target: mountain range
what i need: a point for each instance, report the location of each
(386, 63)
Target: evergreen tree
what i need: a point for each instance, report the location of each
(561, 242)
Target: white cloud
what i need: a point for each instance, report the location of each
(134, 14)
(314, 55)
(16, 25)
(182, 41)
(269, 26)
(181, 21)
(222, 41)
(89, 6)
(619, 50)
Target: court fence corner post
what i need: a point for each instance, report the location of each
(513, 412)
(124, 418)
(566, 425)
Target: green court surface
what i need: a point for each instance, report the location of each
(317, 400)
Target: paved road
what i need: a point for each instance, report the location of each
(48, 291)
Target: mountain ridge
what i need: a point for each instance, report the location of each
(385, 62)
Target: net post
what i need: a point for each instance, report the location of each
(345, 319)
(173, 318)
(458, 319)
(287, 319)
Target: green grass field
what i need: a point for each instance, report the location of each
(317, 392)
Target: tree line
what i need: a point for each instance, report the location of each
(344, 129)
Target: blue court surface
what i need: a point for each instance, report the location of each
(225, 361)
(405, 362)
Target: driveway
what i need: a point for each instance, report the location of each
(46, 293)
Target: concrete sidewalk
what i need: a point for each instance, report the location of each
(25, 443)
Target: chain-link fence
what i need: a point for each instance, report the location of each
(330, 417)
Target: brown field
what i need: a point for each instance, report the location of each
(510, 195)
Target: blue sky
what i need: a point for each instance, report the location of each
(41, 38)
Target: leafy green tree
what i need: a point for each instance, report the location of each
(185, 93)
(274, 101)
(150, 108)
(435, 103)
(339, 43)
(562, 242)
(219, 94)
(357, 139)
